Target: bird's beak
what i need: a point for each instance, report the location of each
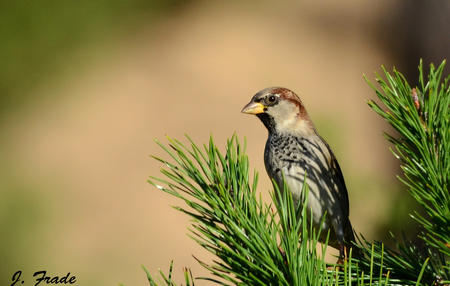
(253, 108)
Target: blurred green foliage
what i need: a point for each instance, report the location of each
(22, 215)
(37, 37)
(38, 40)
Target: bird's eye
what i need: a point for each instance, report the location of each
(272, 99)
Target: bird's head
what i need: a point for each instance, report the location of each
(281, 110)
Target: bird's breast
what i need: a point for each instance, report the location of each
(291, 160)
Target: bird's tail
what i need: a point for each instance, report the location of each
(350, 241)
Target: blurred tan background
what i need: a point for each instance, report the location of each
(86, 86)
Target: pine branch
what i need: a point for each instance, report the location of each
(255, 243)
(421, 117)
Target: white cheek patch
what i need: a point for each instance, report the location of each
(286, 116)
(284, 113)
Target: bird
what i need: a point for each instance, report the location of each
(293, 148)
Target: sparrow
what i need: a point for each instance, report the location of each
(294, 148)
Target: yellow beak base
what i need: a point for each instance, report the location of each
(253, 108)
